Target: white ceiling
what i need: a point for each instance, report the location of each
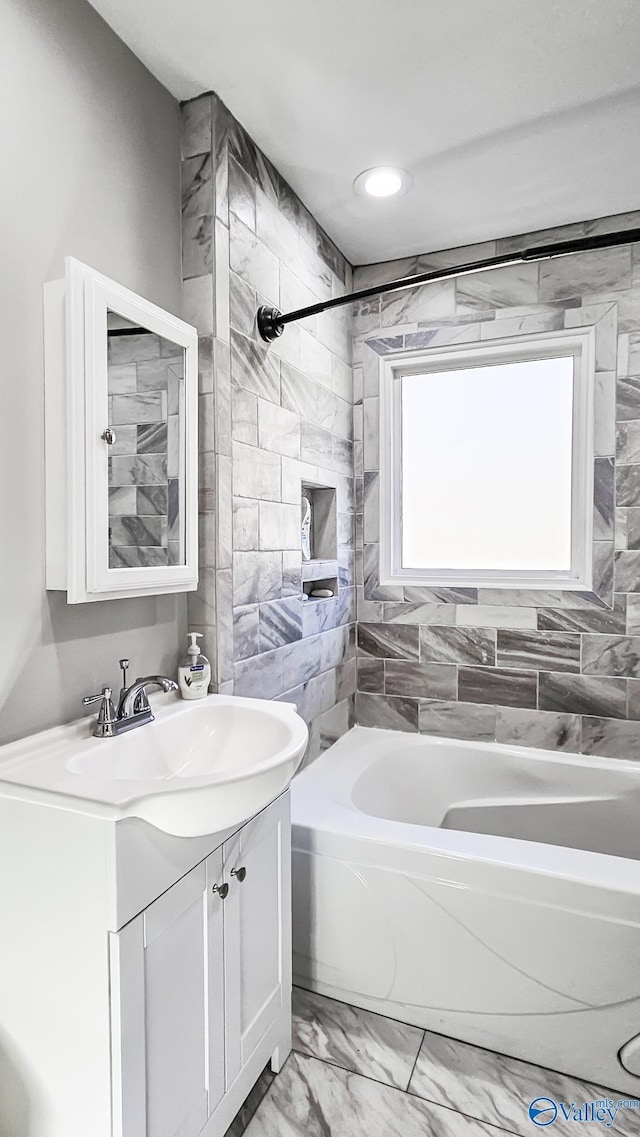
(511, 115)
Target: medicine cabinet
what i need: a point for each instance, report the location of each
(121, 442)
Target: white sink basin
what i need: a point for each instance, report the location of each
(201, 767)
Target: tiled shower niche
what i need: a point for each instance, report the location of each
(321, 572)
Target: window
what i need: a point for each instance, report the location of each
(487, 475)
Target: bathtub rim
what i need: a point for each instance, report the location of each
(322, 808)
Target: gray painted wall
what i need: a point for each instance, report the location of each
(91, 168)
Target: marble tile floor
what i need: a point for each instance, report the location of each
(357, 1074)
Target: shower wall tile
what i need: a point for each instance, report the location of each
(550, 651)
(582, 695)
(458, 645)
(421, 680)
(396, 641)
(508, 688)
(610, 738)
(539, 729)
(611, 655)
(264, 247)
(556, 662)
(387, 712)
(470, 721)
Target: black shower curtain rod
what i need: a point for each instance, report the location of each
(271, 322)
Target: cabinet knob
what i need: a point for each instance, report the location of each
(239, 873)
(222, 890)
(109, 436)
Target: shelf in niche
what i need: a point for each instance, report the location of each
(316, 570)
(321, 582)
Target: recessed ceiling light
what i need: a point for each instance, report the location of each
(383, 181)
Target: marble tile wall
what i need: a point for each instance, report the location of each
(271, 417)
(145, 376)
(557, 670)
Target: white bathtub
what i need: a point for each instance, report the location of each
(487, 892)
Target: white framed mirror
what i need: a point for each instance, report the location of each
(121, 407)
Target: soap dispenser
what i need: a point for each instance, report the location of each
(194, 672)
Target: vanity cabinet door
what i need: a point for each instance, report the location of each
(168, 1010)
(257, 931)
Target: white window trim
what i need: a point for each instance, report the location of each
(577, 342)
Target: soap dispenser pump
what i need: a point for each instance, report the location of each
(194, 672)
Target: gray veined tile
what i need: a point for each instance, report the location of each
(253, 368)
(448, 719)
(197, 245)
(545, 730)
(133, 556)
(628, 443)
(147, 407)
(145, 531)
(627, 570)
(611, 655)
(583, 694)
(628, 485)
(388, 712)
(196, 126)
(152, 499)
(280, 622)
(152, 439)
(597, 271)
(244, 416)
(549, 651)
(197, 186)
(245, 631)
(628, 398)
(256, 473)
(314, 1099)
(355, 1039)
(610, 738)
(243, 305)
(397, 641)
(405, 613)
(630, 528)
(278, 429)
(420, 680)
(514, 285)
(253, 261)
(242, 195)
(497, 1089)
(122, 499)
(603, 499)
(138, 471)
(371, 675)
(458, 645)
(509, 688)
(603, 620)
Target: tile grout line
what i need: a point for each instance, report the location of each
(396, 1089)
(413, 1068)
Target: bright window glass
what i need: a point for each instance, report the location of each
(487, 467)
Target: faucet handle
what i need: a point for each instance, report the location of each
(106, 714)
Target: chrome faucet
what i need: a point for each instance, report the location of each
(133, 705)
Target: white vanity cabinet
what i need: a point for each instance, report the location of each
(145, 979)
(200, 982)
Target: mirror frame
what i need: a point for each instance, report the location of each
(76, 390)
